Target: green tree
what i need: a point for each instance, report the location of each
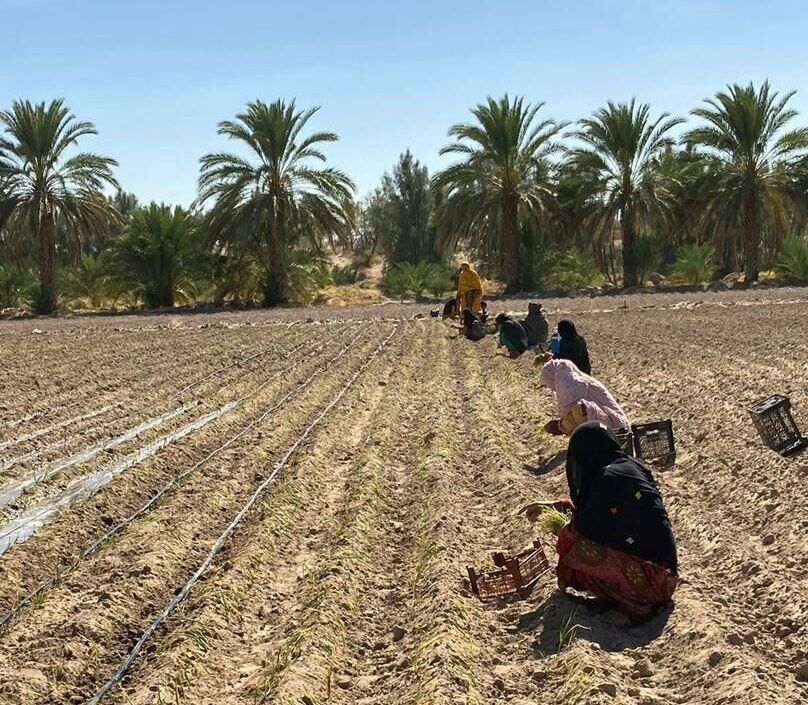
(621, 145)
(45, 188)
(397, 216)
(262, 205)
(412, 236)
(761, 164)
(155, 253)
(375, 220)
(501, 181)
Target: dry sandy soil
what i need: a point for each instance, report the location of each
(356, 461)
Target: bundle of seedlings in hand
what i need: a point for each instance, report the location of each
(552, 520)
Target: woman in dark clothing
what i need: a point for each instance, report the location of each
(472, 326)
(511, 335)
(573, 347)
(450, 309)
(535, 325)
(619, 544)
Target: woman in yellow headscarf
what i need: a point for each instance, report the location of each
(469, 289)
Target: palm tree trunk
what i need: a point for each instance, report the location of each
(751, 242)
(509, 248)
(46, 302)
(276, 288)
(629, 254)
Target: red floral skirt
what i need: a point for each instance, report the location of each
(637, 585)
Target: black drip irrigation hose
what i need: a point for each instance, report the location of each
(155, 366)
(95, 545)
(219, 543)
(25, 484)
(175, 395)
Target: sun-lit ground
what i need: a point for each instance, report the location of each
(344, 583)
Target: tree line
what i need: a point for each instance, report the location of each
(615, 195)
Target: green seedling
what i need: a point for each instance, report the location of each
(552, 520)
(566, 634)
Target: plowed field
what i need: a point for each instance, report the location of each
(261, 507)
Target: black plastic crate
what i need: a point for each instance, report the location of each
(654, 440)
(626, 440)
(773, 420)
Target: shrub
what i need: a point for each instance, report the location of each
(18, 287)
(441, 281)
(308, 272)
(574, 269)
(694, 263)
(90, 282)
(793, 258)
(343, 276)
(408, 276)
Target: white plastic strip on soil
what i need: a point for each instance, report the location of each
(167, 487)
(14, 489)
(191, 385)
(55, 427)
(25, 525)
(231, 527)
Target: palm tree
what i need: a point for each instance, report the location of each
(761, 164)
(261, 206)
(43, 188)
(501, 181)
(154, 253)
(621, 145)
(686, 173)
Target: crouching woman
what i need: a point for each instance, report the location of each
(580, 398)
(618, 544)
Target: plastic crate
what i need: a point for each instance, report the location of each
(654, 440)
(626, 440)
(773, 420)
(516, 575)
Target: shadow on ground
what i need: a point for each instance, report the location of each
(554, 617)
(546, 466)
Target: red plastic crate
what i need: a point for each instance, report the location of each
(516, 575)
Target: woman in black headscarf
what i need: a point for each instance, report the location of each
(535, 325)
(618, 544)
(512, 335)
(472, 326)
(572, 347)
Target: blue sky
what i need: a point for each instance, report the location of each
(156, 77)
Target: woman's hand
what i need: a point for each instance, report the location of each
(533, 510)
(540, 360)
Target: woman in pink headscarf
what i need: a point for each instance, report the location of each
(580, 398)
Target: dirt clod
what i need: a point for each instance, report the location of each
(343, 682)
(609, 688)
(643, 668)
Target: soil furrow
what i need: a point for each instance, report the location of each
(60, 544)
(123, 585)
